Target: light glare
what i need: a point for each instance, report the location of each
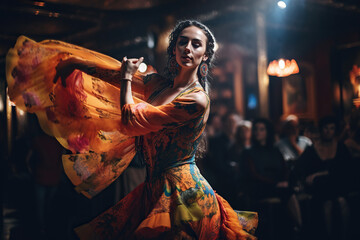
(281, 4)
(281, 64)
(142, 67)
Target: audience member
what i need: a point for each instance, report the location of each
(268, 175)
(218, 166)
(325, 169)
(291, 145)
(236, 161)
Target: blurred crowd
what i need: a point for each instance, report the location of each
(302, 177)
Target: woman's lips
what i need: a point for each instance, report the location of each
(186, 58)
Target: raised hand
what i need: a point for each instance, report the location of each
(130, 66)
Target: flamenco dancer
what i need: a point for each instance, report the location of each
(104, 111)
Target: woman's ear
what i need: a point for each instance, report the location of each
(173, 51)
(205, 58)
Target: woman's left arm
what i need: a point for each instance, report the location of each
(128, 69)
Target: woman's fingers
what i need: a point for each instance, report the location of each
(133, 60)
(132, 63)
(139, 61)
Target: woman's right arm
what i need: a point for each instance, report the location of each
(67, 66)
(110, 75)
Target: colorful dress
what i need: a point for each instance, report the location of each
(175, 201)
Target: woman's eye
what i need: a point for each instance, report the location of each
(183, 43)
(196, 45)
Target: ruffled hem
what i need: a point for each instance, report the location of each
(231, 227)
(154, 226)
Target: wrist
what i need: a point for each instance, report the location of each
(127, 76)
(126, 80)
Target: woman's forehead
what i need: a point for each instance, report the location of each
(260, 125)
(193, 32)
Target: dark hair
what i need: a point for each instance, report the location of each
(288, 129)
(329, 120)
(210, 47)
(270, 133)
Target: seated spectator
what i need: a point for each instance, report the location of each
(217, 167)
(291, 145)
(326, 170)
(268, 175)
(236, 162)
(242, 142)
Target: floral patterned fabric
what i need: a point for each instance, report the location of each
(175, 201)
(84, 116)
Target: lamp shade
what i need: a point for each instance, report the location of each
(282, 68)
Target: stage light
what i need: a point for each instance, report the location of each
(281, 64)
(40, 4)
(282, 68)
(281, 4)
(142, 67)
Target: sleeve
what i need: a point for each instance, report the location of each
(84, 116)
(142, 118)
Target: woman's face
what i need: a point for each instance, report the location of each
(328, 132)
(191, 47)
(260, 132)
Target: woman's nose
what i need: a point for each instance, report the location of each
(187, 47)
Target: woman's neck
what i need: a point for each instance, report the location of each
(185, 78)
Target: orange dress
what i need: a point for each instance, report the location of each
(175, 201)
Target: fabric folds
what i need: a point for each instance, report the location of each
(84, 116)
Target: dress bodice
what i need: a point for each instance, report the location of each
(175, 145)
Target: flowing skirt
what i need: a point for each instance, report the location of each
(180, 204)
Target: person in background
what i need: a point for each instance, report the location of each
(268, 174)
(236, 163)
(242, 142)
(218, 156)
(291, 145)
(326, 170)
